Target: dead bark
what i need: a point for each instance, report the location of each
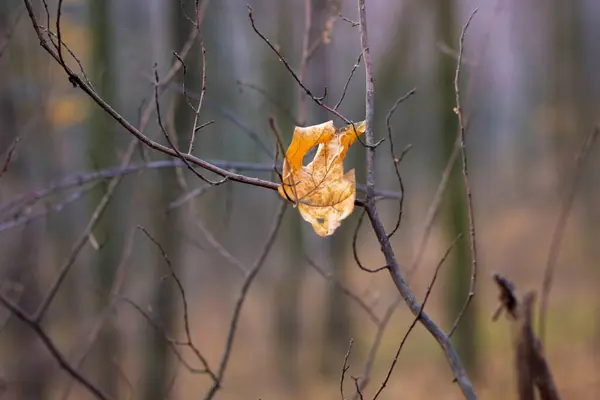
(533, 371)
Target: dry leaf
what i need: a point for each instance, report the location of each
(322, 192)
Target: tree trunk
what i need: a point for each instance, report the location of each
(102, 154)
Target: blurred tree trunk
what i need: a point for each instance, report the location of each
(454, 208)
(287, 322)
(568, 95)
(158, 372)
(102, 153)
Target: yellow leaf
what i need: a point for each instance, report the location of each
(322, 192)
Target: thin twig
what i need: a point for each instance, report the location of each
(396, 160)
(345, 368)
(355, 246)
(252, 273)
(180, 155)
(337, 105)
(353, 23)
(173, 344)
(203, 90)
(561, 224)
(186, 323)
(9, 155)
(465, 172)
(416, 319)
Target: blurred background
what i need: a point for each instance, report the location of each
(530, 94)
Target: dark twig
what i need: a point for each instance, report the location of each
(9, 155)
(353, 23)
(202, 92)
(173, 146)
(173, 344)
(465, 172)
(416, 319)
(186, 323)
(345, 368)
(34, 325)
(355, 246)
(387, 250)
(396, 160)
(348, 82)
(357, 388)
(561, 224)
(250, 275)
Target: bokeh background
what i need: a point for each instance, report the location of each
(531, 94)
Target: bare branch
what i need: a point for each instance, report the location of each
(203, 90)
(396, 160)
(180, 155)
(393, 267)
(34, 325)
(186, 323)
(465, 172)
(337, 105)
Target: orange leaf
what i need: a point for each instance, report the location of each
(322, 192)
